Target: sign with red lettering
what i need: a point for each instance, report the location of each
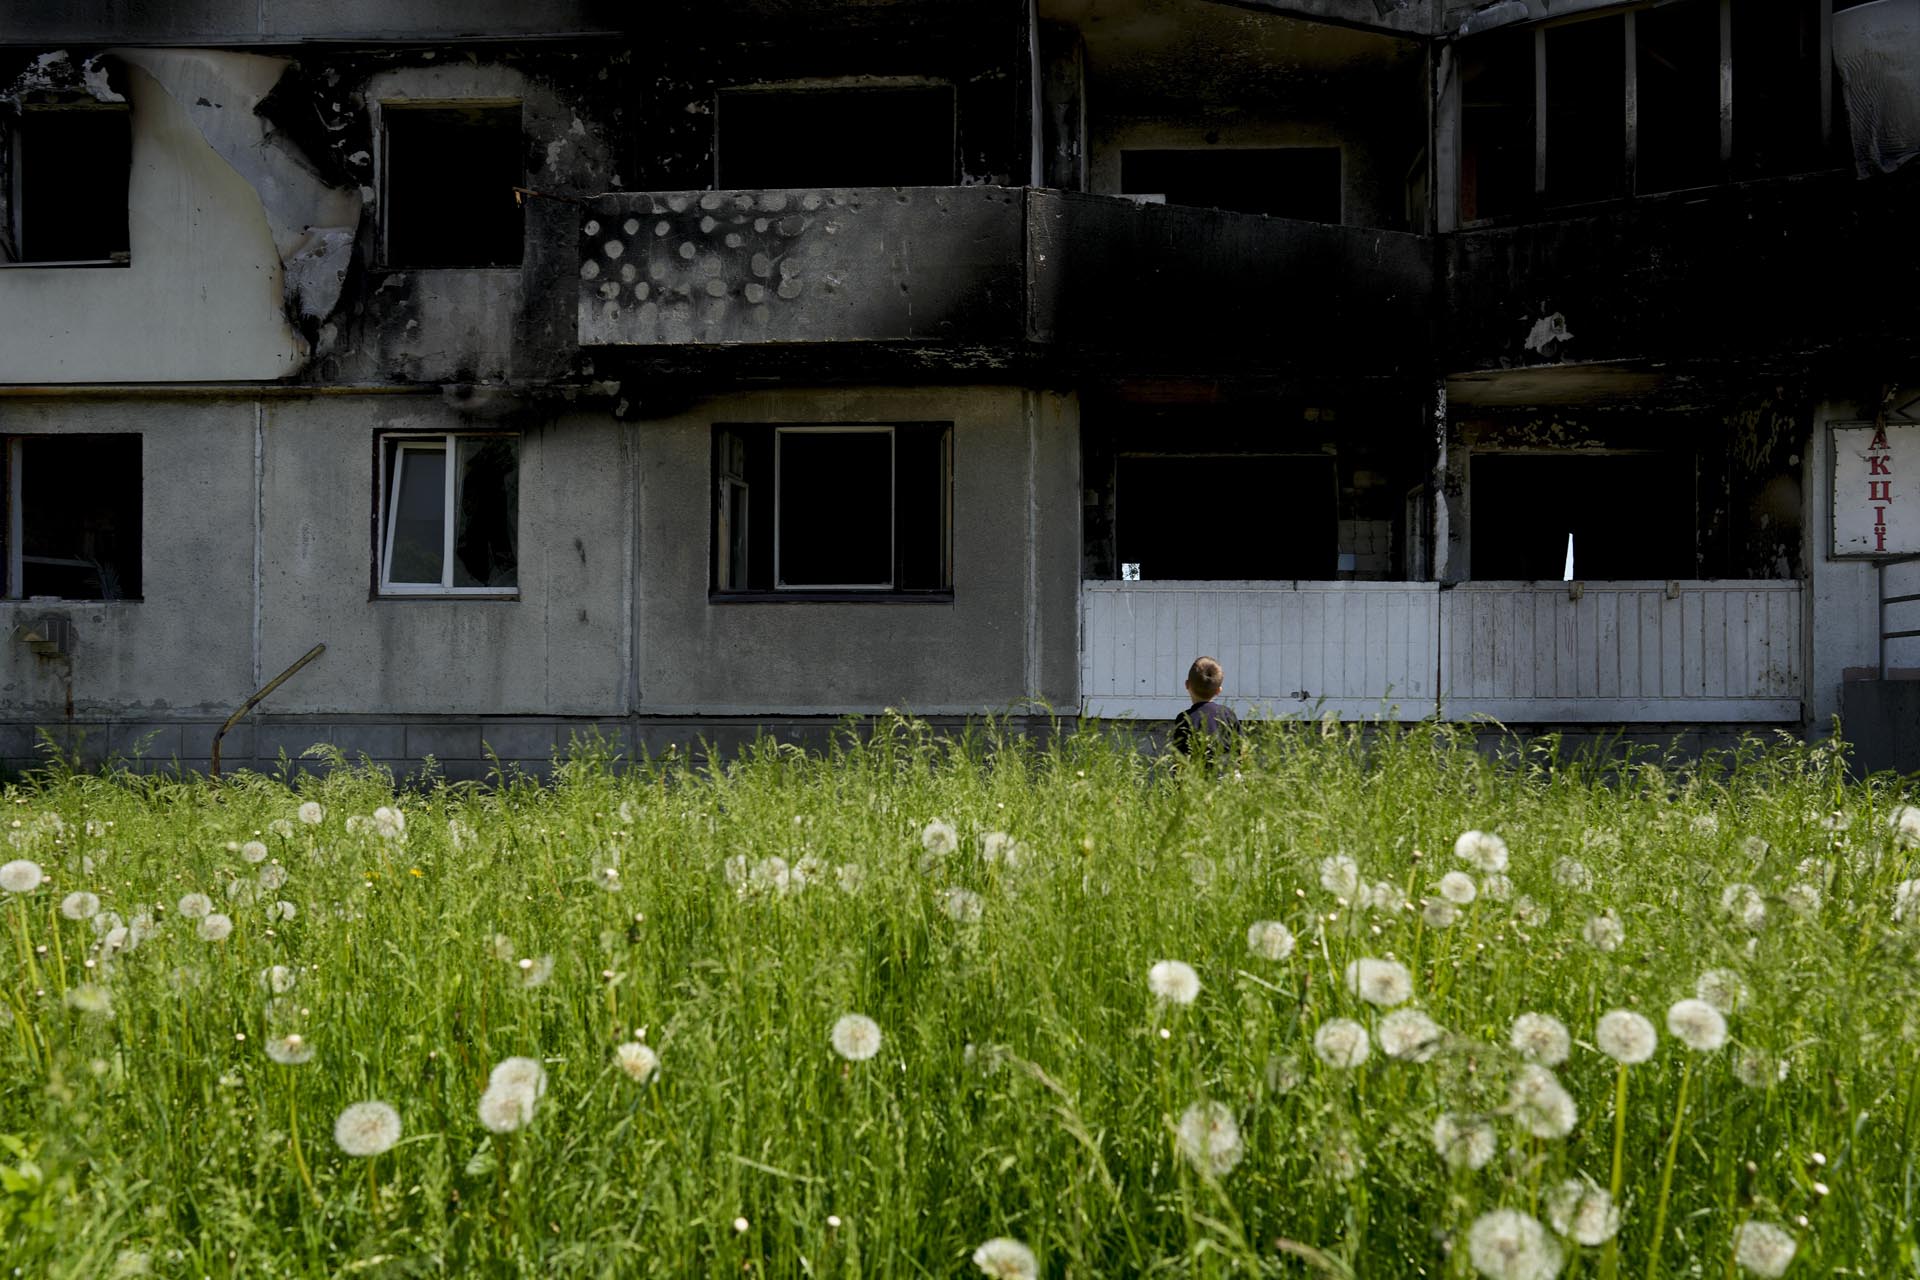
(1876, 490)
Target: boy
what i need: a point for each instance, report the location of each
(1212, 721)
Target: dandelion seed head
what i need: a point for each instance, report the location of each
(1541, 1104)
(290, 1050)
(998, 849)
(272, 878)
(1208, 1138)
(639, 1062)
(1341, 1043)
(1582, 1212)
(855, 1037)
(1541, 1038)
(1705, 824)
(1803, 899)
(1571, 873)
(505, 1108)
(1763, 1249)
(1496, 887)
(962, 905)
(535, 971)
(1006, 1259)
(500, 947)
(1724, 989)
(22, 875)
(1905, 823)
(389, 823)
(1507, 1244)
(216, 927)
(311, 813)
(278, 979)
(1465, 1142)
(608, 878)
(1270, 940)
(1604, 932)
(1340, 875)
(1906, 901)
(1458, 888)
(939, 838)
(80, 905)
(1482, 850)
(281, 828)
(367, 1129)
(1384, 897)
(850, 876)
(194, 906)
(1410, 1035)
(773, 875)
(1697, 1025)
(1757, 1069)
(1625, 1036)
(90, 998)
(1743, 905)
(1439, 913)
(1531, 914)
(254, 851)
(1379, 982)
(1173, 981)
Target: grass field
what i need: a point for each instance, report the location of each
(1326, 1080)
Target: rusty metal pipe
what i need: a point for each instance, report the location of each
(255, 700)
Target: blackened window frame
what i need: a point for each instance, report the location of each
(16, 150)
(758, 479)
(872, 87)
(398, 107)
(18, 478)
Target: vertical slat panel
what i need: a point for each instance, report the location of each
(1566, 649)
(1650, 606)
(1606, 653)
(1098, 651)
(1758, 636)
(1693, 645)
(1166, 641)
(1713, 661)
(1627, 628)
(1585, 615)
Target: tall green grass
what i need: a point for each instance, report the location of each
(1028, 1083)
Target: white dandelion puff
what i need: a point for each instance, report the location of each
(1464, 1142)
(850, 876)
(1340, 875)
(1836, 820)
(278, 979)
(998, 849)
(1705, 824)
(1582, 1212)
(104, 922)
(367, 1129)
(1803, 899)
(640, 1062)
(90, 998)
(1755, 848)
(1697, 1025)
(140, 928)
(282, 910)
(1541, 1038)
(1534, 915)
(1905, 823)
(962, 905)
(500, 947)
(254, 851)
(773, 875)
(1458, 888)
(1541, 1104)
(1625, 1036)
(80, 905)
(626, 812)
(1757, 1069)
(216, 927)
(311, 813)
(1571, 873)
(1209, 1138)
(1482, 850)
(1341, 1043)
(608, 878)
(389, 823)
(1604, 932)
(939, 838)
(459, 834)
(1763, 1249)
(519, 1073)
(1269, 939)
(1379, 982)
(1439, 913)
(506, 1108)
(281, 828)
(1496, 887)
(194, 906)
(1507, 1244)
(242, 892)
(1387, 898)
(358, 824)
(1743, 905)
(290, 1050)
(1006, 1259)
(1906, 901)
(535, 971)
(856, 1037)
(1174, 981)
(272, 878)
(1724, 989)
(1410, 1035)
(22, 875)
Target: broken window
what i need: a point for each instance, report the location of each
(1226, 517)
(1630, 516)
(1776, 88)
(892, 136)
(73, 517)
(832, 509)
(449, 514)
(1496, 124)
(1285, 182)
(1586, 69)
(1677, 60)
(66, 178)
(448, 177)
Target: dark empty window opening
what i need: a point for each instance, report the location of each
(73, 517)
(1586, 111)
(66, 176)
(1677, 56)
(1776, 88)
(835, 137)
(1496, 124)
(1285, 182)
(1631, 516)
(812, 510)
(1260, 517)
(448, 175)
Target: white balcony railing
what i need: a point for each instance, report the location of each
(1524, 652)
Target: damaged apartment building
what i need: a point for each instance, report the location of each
(689, 369)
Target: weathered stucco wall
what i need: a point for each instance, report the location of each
(201, 297)
(557, 649)
(1009, 632)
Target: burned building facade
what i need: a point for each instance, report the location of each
(696, 368)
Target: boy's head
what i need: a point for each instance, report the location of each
(1204, 679)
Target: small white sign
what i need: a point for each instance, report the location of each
(1876, 490)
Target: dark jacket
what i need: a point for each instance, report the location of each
(1212, 723)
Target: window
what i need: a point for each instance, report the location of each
(1286, 182)
(1586, 111)
(814, 510)
(73, 517)
(448, 176)
(449, 515)
(66, 184)
(867, 137)
(1629, 516)
(1237, 517)
(1677, 51)
(1496, 124)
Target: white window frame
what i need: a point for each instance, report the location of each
(893, 485)
(395, 445)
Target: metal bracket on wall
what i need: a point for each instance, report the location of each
(47, 637)
(213, 763)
